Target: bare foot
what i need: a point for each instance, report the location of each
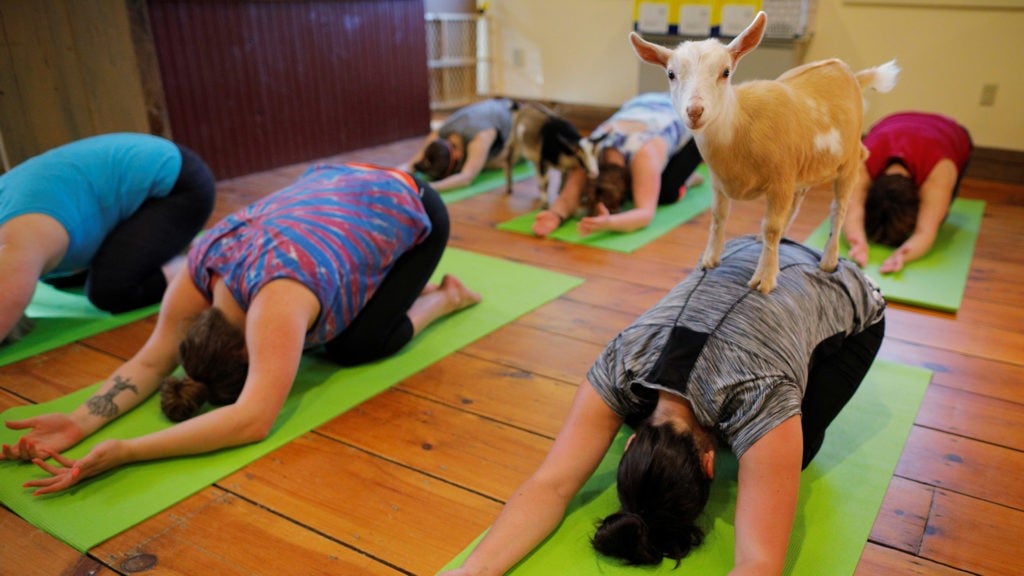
(430, 287)
(459, 296)
(448, 297)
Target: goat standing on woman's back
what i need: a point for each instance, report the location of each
(776, 138)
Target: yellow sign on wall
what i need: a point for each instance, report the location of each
(698, 18)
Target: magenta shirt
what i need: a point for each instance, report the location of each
(920, 140)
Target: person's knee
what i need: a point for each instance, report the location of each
(350, 353)
(115, 294)
(107, 298)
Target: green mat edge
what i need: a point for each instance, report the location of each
(71, 524)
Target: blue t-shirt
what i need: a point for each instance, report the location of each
(90, 186)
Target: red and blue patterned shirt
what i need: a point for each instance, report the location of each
(337, 230)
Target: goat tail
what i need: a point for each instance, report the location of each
(881, 78)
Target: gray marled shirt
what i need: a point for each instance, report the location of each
(471, 120)
(739, 356)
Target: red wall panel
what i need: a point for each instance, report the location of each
(255, 85)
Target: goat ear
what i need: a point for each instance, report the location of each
(648, 52)
(749, 38)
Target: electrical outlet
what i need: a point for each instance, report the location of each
(988, 94)
(518, 59)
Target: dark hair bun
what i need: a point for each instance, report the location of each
(181, 398)
(624, 535)
(436, 161)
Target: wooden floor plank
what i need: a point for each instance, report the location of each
(57, 373)
(621, 294)
(550, 355)
(880, 561)
(964, 465)
(483, 456)
(937, 331)
(28, 551)
(974, 535)
(383, 509)
(969, 373)
(517, 397)
(983, 418)
(901, 521)
(579, 321)
(214, 532)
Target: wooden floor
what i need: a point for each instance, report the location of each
(402, 483)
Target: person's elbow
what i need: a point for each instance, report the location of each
(641, 218)
(251, 425)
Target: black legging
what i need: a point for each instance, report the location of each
(126, 271)
(678, 169)
(834, 376)
(383, 327)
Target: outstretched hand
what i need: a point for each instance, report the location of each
(546, 222)
(102, 457)
(895, 262)
(591, 224)
(48, 434)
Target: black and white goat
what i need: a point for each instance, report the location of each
(548, 141)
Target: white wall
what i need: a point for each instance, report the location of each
(567, 50)
(576, 51)
(947, 55)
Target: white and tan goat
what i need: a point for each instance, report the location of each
(776, 138)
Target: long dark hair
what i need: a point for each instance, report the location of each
(216, 363)
(662, 491)
(890, 209)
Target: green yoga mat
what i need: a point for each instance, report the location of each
(938, 279)
(105, 506)
(696, 201)
(62, 317)
(486, 181)
(840, 494)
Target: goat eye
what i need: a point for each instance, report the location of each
(725, 73)
(671, 75)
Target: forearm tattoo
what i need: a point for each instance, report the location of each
(103, 404)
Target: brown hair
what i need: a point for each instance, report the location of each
(216, 363)
(611, 188)
(890, 210)
(437, 160)
(662, 490)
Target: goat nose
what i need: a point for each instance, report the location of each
(694, 112)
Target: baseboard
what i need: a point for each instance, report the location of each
(997, 164)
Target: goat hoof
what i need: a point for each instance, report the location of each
(762, 285)
(708, 263)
